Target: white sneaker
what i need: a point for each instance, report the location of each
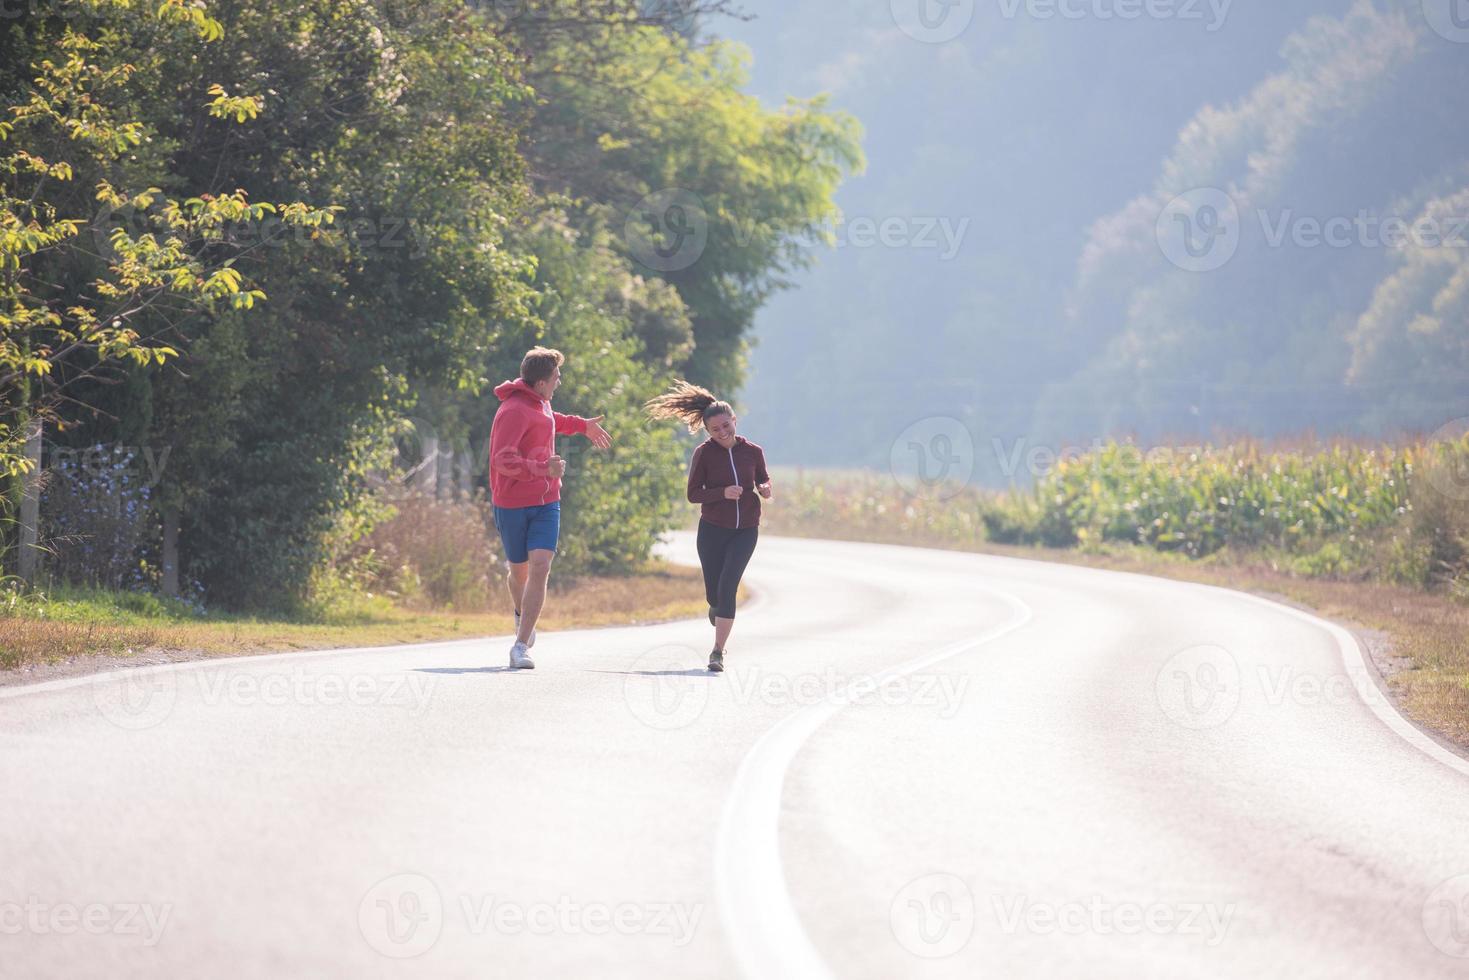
(532, 641)
(519, 659)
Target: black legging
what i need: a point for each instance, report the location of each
(724, 552)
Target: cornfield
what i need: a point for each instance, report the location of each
(1361, 507)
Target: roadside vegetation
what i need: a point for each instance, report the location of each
(429, 569)
(262, 264)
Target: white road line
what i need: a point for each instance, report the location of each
(759, 917)
(1363, 679)
(112, 676)
(760, 921)
(1353, 658)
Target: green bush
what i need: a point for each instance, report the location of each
(1440, 509)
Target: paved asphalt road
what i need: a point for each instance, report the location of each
(919, 764)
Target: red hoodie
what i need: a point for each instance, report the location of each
(522, 440)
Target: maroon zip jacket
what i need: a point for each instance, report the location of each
(713, 468)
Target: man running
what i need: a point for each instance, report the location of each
(525, 484)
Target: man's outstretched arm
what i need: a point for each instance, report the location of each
(575, 425)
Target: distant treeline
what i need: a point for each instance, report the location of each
(1276, 243)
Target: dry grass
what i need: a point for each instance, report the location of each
(656, 593)
(24, 640)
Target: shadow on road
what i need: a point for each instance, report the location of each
(691, 672)
(467, 670)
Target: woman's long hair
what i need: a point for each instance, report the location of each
(689, 404)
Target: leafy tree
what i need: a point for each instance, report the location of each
(654, 137)
(616, 503)
(477, 178)
(407, 116)
(74, 306)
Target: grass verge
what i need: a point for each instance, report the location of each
(77, 631)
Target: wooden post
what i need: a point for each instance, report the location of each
(171, 550)
(29, 563)
(464, 466)
(428, 475)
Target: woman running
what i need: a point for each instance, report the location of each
(726, 473)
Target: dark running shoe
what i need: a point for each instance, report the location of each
(716, 662)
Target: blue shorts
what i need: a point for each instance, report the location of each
(526, 529)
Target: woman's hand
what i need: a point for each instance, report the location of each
(733, 493)
(764, 489)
